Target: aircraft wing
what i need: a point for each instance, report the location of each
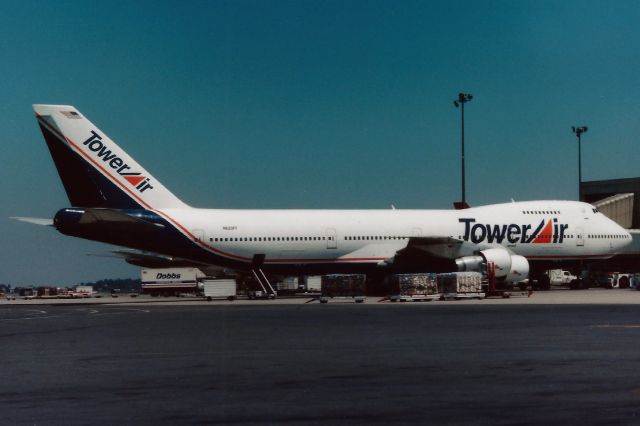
(435, 253)
(436, 246)
(154, 260)
(160, 261)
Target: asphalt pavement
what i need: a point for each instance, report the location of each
(311, 364)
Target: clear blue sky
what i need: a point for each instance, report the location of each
(314, 104)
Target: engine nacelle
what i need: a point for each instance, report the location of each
(500, 258)
(511, 268)
(519, 269)
(471, 263)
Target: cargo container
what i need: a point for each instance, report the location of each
(459, 285)
(287, 285)
(219, 289)
(413, 287)
(170, 281)
(314, 283)
(344, 287)
(47, 291)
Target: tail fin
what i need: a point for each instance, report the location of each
(94, 170)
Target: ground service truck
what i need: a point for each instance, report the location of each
(170, 281)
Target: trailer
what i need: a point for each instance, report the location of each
(170, 281)
(219, 289)
(343, 287)
(461, 285)
(413, 287)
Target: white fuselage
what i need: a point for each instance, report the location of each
(536, 230)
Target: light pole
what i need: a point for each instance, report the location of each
(463, 98)
(578, 132)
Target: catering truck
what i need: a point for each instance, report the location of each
(170, 281)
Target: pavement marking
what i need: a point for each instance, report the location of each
(29, 315)
(617, 326)
(29, 318)
(146, 311)
(121, 311)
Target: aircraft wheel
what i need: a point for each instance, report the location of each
(623, 282)
(544, 283)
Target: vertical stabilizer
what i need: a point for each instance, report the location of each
(94, 170)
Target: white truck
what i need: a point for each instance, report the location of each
(81, 291)
(561, 277)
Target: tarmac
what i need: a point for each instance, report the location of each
(558, 357)
(561, 296)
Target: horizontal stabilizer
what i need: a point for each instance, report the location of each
(34, 220)
(114, 216)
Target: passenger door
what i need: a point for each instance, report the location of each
(198, 235)
(332, 240)
(579, 237)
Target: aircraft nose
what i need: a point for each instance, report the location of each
(620, 236)
(626, 240)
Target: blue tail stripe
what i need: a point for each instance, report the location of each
(85, 186)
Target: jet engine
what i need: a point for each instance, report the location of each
(519, 269)
(511, 268)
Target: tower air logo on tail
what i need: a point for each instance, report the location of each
(97, 146)
(547, 232)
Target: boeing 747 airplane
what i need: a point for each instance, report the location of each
(115, 200)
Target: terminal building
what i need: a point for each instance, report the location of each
(616, 199)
